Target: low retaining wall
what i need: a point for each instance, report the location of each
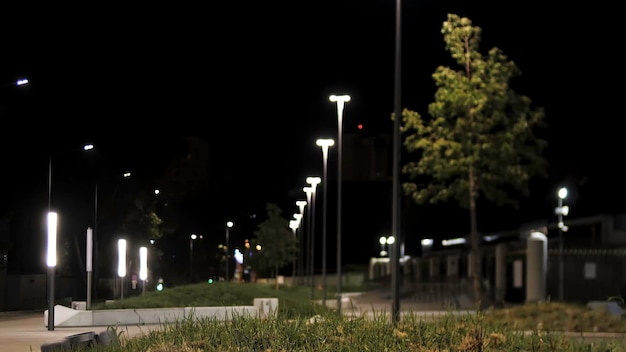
(262, 308)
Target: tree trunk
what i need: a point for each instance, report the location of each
(474, 239)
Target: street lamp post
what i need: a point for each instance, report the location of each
(309, 194)
(52, 219)
(121, 264)
(561, 210)
(385, 241)
(301, 204)
(293, 224)
(395, 211)
(229, 224)
(191, 239)
(313, 181)
(51, 262)
(143, 268)
(89, 259)
(324, 144)
(340, 100)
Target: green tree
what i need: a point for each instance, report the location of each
(479, 140)
(278, 245)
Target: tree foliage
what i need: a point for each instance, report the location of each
(479, 139)
(277, 242)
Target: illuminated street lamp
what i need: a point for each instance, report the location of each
(51, 261)
(89, 259)
(294, 224)
(19, 82)
(229, 224)
(121, 264)
(143, 268)
(340, 100)
(385, 241)
(561, 211)
(313, 181)
(309, 195)
(86, 147)
(324, 144)
(191, 239)
(52, 231)
(301, 205)
(300, 261)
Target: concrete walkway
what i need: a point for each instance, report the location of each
(27, 332)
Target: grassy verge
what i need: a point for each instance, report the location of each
(532, 327)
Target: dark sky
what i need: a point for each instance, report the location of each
(253, 79)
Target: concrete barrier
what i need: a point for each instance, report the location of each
(262, 308)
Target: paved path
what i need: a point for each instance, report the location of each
(27, 332)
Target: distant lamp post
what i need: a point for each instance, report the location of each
(143, 268)
(192, 238)
(324, 144)
(300, 264)
(385, 241)
(293, 224)
(313, 181)
(340, 100)
(229, 225)
(561, 211)
(51, 261)
(309, 194)
(89, 267)
(121, 264)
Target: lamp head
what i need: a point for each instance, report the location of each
(336, 98)
(325, 142)
(313, 181)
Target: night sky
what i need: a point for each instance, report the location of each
(252, 79)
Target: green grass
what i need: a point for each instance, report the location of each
(531, 327)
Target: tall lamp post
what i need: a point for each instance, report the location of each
(293, 224)
(324, 144)
(395, 211)
(229, 225)
(340, 100)
(309, 194)
(89, 258)
(313, 181)
(51, 262)
(52, 219)
(191, 239)
(143, 268)
(121, 264)
(301, 204)
(561, 211)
